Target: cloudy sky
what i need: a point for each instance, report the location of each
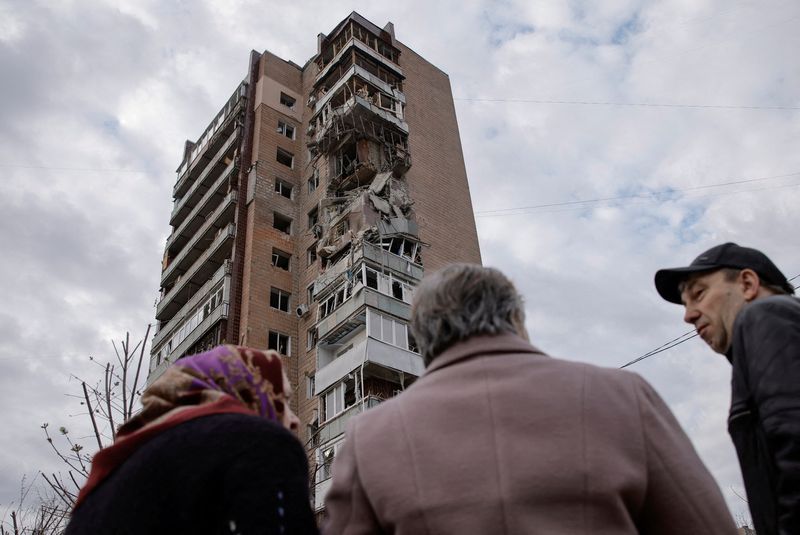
(603, 140)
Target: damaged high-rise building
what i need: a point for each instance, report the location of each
(304, 216)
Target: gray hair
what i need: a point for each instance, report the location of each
(460, 301)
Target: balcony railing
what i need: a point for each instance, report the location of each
(371, 351)
(177, 320)
(337, 425)
(226, 134)
(354, 42)
(197, 195)
(197, 274)
(221, 215)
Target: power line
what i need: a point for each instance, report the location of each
(646, 196)
(94, 169)
(626, 104)
(679, 340)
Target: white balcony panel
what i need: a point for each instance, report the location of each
(373, 351)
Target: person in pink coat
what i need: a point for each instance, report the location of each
(497, 437)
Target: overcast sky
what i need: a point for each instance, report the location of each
(631, 135)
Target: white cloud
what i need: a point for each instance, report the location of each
(121, 85)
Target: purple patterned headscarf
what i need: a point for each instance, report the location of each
(251, 376)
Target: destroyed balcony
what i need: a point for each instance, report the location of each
(224, 138)
(221, 277)
(368, 351)
(337, 273)
(352, 313)
(197, 243)
(356, 44)
(215, 177)
(356, 114)
(347, 76)
(200, 271)
(200, 213)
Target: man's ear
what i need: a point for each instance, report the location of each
(750, 283)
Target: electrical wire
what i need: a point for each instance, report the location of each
(626, 104)
(679, 340)
(644, 196)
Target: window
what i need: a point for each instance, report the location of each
(279, 299)
(340, 398)
(281, 259)
(311, 338)
(313, 182)
(311, 255)
(310, 386)
(284, 157)
(283, 188)
(286, 129)
(310, 294)
(335, 300)
(313, 218)
(371, 278)
(282, 223)
(287, 101)
(387, 329)
(279, 342)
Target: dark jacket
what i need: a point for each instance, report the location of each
(764, 421)
(227, 473)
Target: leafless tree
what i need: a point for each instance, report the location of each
(44, 518)
(108, 402)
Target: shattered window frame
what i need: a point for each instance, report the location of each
(281, 259)
(282, 343)
(287, 100)
(284, 189)
(282, 223)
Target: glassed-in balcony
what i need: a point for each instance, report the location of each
(372, 351)
(352, 313)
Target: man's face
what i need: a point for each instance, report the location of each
(712, 304)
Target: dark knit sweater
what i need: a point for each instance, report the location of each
(225, 473)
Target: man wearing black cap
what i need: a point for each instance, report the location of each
(742, 306)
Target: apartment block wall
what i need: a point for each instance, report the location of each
(260, 276)
(437, 178)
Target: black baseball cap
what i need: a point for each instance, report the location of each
(727, 255)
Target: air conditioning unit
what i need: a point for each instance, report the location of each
(302, 310)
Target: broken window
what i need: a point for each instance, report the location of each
(335, 300)
(279, 342)
(397, 289)
(279, 299)
(313, 218)
(281, 259)
(282, 223)
(283, 188)
(313, 182)
(311, 254)
(340, 398)
(309, 386)
(284, 157)
(408, 249)
(370, 278)
(311, 338)
(287, 101)
(286, 129)
(340, 229)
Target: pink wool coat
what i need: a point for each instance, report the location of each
(498, 438)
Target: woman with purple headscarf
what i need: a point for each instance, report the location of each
(211, 452)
